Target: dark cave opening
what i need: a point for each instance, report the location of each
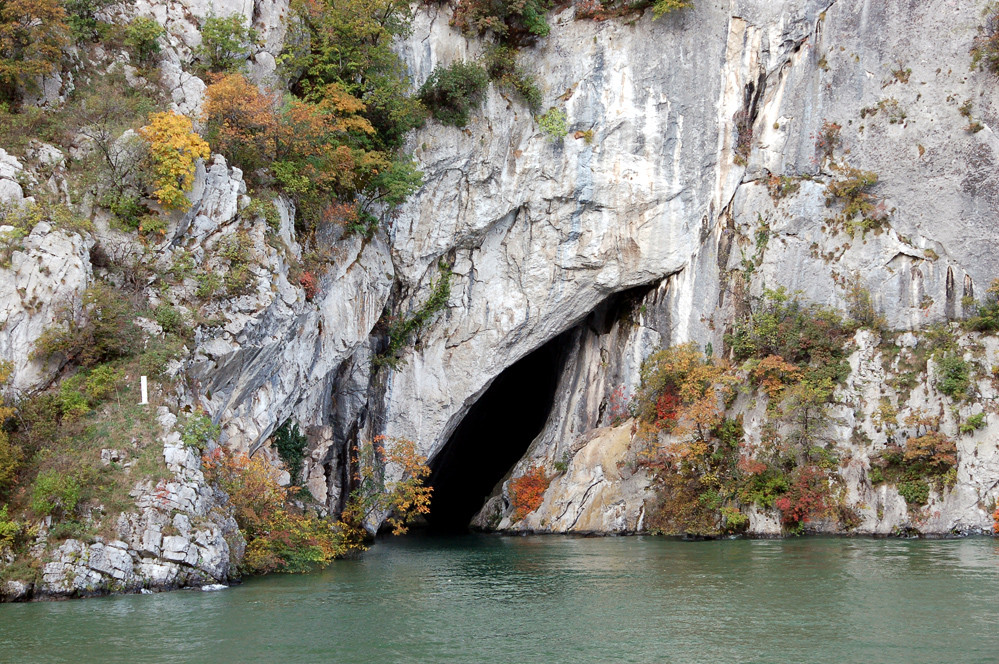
(494, 435)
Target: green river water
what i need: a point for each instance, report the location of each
(480, 598)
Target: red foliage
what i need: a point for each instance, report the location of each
(667, 408)
(751, 466)
(309, 282)
(806, 498)
(527, 492)
(618, 405)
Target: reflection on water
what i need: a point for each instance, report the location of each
(557, 599)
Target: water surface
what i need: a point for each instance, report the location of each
(557, 599)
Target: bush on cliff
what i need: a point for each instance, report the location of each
(226, 43)
(452, 92)
(279, 536)
(32, 36)
(511, 21)
(399, 500)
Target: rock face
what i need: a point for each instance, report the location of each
(45, 276)
(677, 185)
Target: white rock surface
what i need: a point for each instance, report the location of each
(49, 271)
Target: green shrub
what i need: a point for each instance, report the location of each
(169, 318)
(100, 382)
(972, 424)
(106, 333)
(226, 44)
(73, 403)
(154, 359)
(10, 530)
(52, 491)
(663, 7)
(127, 209)
(953, 377)
(209, 283)
(915, 492)
(290, 445)
(511, 21)
(986, 313)
(239, 280)
(501, 65)
(452, 92)
(142, 35)
(554, 124)
(806, 335)
(82, 17)
(199, 431)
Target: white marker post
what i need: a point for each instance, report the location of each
(145, 391)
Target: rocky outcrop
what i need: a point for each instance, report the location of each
(180, 534)
(678, 183)
(596, 484)
(42, 280)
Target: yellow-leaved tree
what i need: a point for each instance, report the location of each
(174, 149)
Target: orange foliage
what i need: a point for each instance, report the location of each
(240, 121)
(313, 147)
(527, 492)
(933, 450)
(32, 36)
(403, 499)
(774, 373)
(279, 537)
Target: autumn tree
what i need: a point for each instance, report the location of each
(280, 537)
(241, 122)
(32, 36)
(527, 492)
(174, 149)
(400, 500)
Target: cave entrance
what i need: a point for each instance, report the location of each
(494, 435)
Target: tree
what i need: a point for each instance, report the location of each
(400, 500)
(142, 35)
(240, 122)
(32, 35)
(226, 44)
(511, 21)
(452, 92)
(174, 149)
(106, 332)
(279, 536)
(349, 43)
